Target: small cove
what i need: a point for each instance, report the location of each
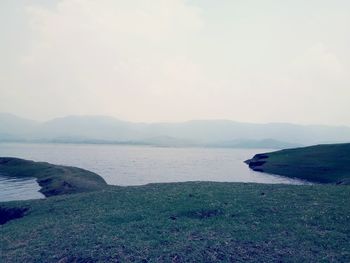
(12, 189)
(136, 165)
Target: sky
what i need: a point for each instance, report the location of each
(177, 60)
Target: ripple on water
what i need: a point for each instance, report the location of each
(19, 189)
(138, 165)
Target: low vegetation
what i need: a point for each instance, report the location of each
(321, 164)
(184, 222)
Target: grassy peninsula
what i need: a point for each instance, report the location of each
(53, 179)
(178, 222)
(329, 163)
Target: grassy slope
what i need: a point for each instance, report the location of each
(321, 163)
(199, 222)
(54, 179)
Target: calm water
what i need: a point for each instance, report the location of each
(19, 189)
(137, 165)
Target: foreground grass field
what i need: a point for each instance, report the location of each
(184, 222)
(329, 163)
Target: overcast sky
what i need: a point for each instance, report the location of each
(176, 60)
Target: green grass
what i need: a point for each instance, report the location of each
(184, 222)
(321, 163)
(54, 179)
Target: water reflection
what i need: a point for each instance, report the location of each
(18, 189)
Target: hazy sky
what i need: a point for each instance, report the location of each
(174, 60)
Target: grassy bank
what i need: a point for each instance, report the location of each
(53, 179)
(321, 163)
(182, 222)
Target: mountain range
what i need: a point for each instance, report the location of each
(195, 133)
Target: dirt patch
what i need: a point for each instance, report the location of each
(202, 214)
(75, 260)
(261, 156)
(256, 163)
(8, 214)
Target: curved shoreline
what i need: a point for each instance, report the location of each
(53, 179)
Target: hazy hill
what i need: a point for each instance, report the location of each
(88, 127)
(211, 133)
(246, 143)
(15, 128)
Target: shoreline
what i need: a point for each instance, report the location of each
(53, 179)
(323, 164)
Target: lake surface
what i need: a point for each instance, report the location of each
(138, 165)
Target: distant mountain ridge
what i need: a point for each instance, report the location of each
(196, 133)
